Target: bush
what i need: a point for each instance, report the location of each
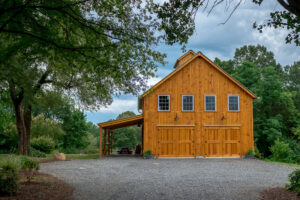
(294, 179)
(90, 150)
(147, 152)
(44, 144)
(257, 154)
(36, 153)
(250, 152)
(9, 177)
(281, 151)
(30, 167)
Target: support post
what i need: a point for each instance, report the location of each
(111, 141)
(142, 138)
(100, 142)
(108, 142)
(105, 140)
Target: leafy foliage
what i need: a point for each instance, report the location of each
(281, 151)
(147, 152)
(30, 167)
(36, 153)
(76, 131)
(275, 115)
(294, 179)
(129, 136)
(9, 178)
(43, 143)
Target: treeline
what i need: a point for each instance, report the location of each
(277, 108)
(57, 125)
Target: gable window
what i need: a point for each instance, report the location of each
(163, 102)
(233, 103)
(210, 103)
(187, 102)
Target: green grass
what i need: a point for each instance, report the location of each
(81, 156)
(4, 157)
(282, 163)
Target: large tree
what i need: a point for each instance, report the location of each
(89, 48)
(175, 13)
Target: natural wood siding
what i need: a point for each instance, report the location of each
(198, 78)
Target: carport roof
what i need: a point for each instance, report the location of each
(121, 123)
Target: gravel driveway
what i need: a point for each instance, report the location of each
(136, 178)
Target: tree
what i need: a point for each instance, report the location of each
(128, 136)
(275, 114)
(256, 54)
(89, 48)
(292, 81)
(76, 131)
(175, 13)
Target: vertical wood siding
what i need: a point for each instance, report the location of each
(199, 78)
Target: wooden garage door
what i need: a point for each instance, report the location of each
(222, 142)
(175, 141)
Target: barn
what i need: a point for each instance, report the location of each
(198, 110)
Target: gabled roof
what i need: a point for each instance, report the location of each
(121, 123)
(184, 64)
(184, 58)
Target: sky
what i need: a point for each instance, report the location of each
(215, 40)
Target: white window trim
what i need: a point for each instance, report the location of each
(188, 95)
(158, 102)
(233, 95)
(208, 95)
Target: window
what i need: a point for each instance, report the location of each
(163, 102)
(210, 103)
(233, 103)
(187, 102)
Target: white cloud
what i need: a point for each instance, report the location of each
(120, 105)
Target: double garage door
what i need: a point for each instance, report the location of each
(180, 141)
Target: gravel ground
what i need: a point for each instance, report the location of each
(136, 178)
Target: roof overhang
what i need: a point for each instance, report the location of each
(121, 123)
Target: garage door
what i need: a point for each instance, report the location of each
(175, 141)
(222, 142)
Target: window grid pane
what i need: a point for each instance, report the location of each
(188, 103)
(233, 103)
(164, 102)
(210, 103)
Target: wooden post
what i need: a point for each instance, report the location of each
(108, 142)
(100, 142)
(105, 132)
(142, 138)
(111, 141)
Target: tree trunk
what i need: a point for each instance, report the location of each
(27, 120)
(20, 123)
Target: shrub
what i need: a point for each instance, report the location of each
(44, 144)
(90, 150)
(9, 177)
(30, 167)
(36, 153)
(257, 154)
(250, 152)
(147, 152)
(294, 179)
(281, 151)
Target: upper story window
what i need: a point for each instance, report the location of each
(187, 102)
(210, 103)
(233, 103)
(163, 102)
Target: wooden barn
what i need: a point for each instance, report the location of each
(198, 110)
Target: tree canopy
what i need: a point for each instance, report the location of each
(276, 115)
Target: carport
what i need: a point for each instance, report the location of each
(107, 128)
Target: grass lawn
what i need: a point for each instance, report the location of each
(283, 163)
(50, 157)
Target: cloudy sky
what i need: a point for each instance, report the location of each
(215, 40)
